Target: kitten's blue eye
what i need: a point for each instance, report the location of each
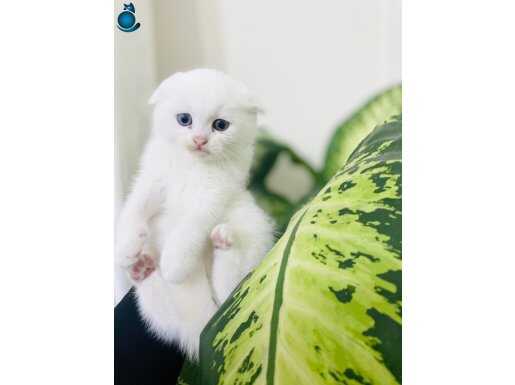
(220, 125)
(184, 119)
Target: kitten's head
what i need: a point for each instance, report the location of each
(205, 113)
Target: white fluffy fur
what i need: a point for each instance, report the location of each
(181, 194)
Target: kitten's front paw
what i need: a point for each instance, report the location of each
(222, 237)
(144, 266)
(128, 247)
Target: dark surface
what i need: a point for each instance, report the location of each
(139, 358)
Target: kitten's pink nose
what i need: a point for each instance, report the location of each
(199, 140)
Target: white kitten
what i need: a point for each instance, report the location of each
(189, 230)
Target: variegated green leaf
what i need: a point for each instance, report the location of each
(190, 374)
(351, 132)
(324, 306)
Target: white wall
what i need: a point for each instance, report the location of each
(309, 63)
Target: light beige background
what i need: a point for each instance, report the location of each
(310, 64)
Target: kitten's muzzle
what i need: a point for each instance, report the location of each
(200, 141)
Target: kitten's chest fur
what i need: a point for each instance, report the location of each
(193, 187)
(192, 190)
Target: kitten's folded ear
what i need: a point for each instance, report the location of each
(165, 88)
(247, 100)
(253, 104)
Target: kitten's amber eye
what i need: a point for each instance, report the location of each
(220, 125)
(184, 119)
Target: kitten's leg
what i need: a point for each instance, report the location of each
(227, 261)
(131, 235)
(182, 252)
(239, 245)
(188, 240)
(132, 228)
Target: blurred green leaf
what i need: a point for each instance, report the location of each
(353, 130)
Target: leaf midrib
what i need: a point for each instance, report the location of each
(278, 301)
